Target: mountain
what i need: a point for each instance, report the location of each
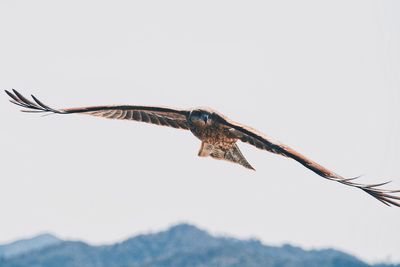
(181, 246)
(28, 245)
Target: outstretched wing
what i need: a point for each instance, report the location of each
(253, 137)
(156, 115)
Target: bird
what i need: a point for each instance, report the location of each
(218, 135)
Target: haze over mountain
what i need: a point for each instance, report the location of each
(181, 245)
(27, 245)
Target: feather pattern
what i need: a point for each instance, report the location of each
(253, 137)
(156, 115)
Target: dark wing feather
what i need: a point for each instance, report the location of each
(249, 135)
(156, 115)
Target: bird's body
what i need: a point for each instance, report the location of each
(218, 134)
(217, 141)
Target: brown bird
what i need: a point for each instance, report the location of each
(217, 133)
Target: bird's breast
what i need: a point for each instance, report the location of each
(214, 135)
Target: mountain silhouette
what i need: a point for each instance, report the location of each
(28, 245)
(182, 245)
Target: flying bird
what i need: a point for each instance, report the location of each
(217, 133)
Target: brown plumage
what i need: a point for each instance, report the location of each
(218, 134)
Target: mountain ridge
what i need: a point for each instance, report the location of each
(22, 246)
(182, 245)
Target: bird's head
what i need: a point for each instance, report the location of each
(201, 117)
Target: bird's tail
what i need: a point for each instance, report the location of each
(232, 154)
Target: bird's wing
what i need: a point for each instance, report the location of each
(157, 115)
(253, 137)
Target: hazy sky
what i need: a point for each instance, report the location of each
(320, 76)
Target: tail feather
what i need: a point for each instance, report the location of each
(232, 154)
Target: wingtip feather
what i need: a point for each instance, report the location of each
(36, 107)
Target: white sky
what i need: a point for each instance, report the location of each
(321, 76)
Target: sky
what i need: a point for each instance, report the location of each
(320, 76)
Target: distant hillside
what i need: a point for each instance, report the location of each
(28, 245)
(181, 246)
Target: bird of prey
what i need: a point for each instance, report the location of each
(217, 133)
